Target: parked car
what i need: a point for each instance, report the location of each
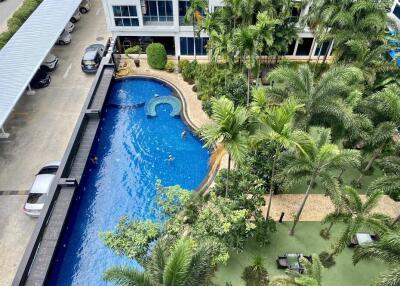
(50, 62)
(92, 58)
(84, 7)
(40, 189)
(69, 27)
(64, 38)
(41, 78)
(75, 18)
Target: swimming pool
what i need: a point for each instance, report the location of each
(130, 153)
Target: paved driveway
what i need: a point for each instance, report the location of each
(40, 128)
(6, 9)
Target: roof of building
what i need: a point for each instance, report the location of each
(22, 55)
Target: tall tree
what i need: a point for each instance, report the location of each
(320, 160)
(227, 132)
(389, 182)
(194, 15)
(356, 215)
(276, 127)
(324, 99)
(185, 265)
(388, 251)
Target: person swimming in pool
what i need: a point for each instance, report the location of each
(94, 160)
(184, 135)
(170, 158)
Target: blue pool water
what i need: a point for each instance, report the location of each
(132, 151)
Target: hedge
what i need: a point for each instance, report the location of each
(156, 56)
(17, 19)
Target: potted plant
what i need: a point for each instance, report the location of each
(134, 50)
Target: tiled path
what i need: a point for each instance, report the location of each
(317, 205)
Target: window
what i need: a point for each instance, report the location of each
(158, 11)
(291, 48)
(324, 50)
(304, 47)
(189, 45)
(396, 11)
(183, 6)
(125, 16)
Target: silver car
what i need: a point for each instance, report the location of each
(40, 189)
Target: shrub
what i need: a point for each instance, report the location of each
(182, 64)
(256, 274)
(189, 72)
(326, 260)
(133, 50)
(170, 66)
(324, 233)
(156, 56)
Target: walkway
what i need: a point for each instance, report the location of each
(318, 205)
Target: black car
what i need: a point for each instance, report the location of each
(40, 79)
(92, 58)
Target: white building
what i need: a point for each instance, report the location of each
(145, 21)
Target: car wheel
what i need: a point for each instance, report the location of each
(61, 42)
(73, 20)
(83, 10)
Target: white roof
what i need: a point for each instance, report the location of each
(22, 55)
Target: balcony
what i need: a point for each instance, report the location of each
(158, 21)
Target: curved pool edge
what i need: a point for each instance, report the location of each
(212, 172)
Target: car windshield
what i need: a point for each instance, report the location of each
(88, 63)
(48, 170)
(36, 198)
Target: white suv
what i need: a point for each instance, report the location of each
(50, 62)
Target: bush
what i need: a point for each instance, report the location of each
(256, 274)
(324, 233)
(326, 260)
(170, 66)
(189, 72)
(133, 50)
(182, 64)
(156, 56)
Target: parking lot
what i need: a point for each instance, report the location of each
(40, 128)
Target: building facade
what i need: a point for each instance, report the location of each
(143, 21)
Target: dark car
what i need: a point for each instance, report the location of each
(92, 58)
(40, 79)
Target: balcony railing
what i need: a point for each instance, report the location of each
(158, 20)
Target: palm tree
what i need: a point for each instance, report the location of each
(388, 250)
(275, 126)
(383, 108)
(323, 99)
(356, 215)
(389, 183)
(312, 275)
(245, 43)
(186, 265)
(321, 159)
(227, 132)
(193, 14)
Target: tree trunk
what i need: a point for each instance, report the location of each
(248, 88)
(271, 185)
(297, 218)
(371, 161)
(227, 175)
(194, 36)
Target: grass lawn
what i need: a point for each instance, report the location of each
(348, 176)
(307, 241)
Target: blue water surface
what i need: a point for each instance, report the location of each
(132, 151)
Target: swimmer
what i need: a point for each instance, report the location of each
(170, 158)
(94, 160)
(183, 134)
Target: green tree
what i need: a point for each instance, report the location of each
(321, 159)
(194, 15)
(276, 127)
(227, 132)
(256, 274)
(324, 99)
(388, 251)
(389, 182)
(356, 215)
(186, 264)
(312, 275)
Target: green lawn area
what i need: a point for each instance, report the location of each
(348, 176)
(306, 241)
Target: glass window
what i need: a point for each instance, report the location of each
(291, 48)
(125, 16)
(324, 49)
(304, 47)
(158, 11)
(189, 45)
(36, 198)
(117, 11)
(396, 11)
